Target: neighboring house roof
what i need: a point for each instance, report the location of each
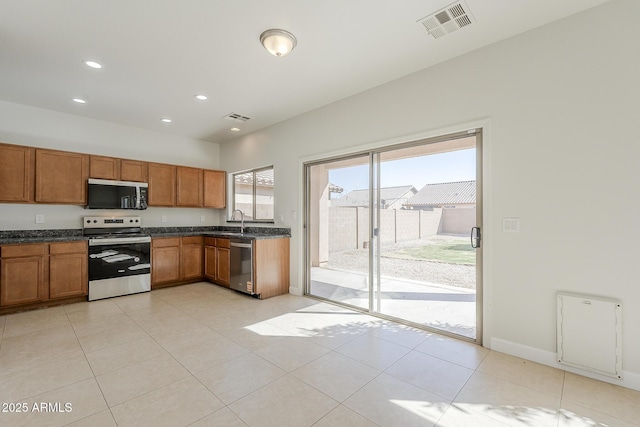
(264, 177)
(335, 189)
(446, 193)
(389, 195)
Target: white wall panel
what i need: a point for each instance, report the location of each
(561, 151)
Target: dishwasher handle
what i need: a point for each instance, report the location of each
(240, 245)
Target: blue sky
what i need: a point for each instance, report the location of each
(417, 171)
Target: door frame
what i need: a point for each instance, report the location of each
(371, 152)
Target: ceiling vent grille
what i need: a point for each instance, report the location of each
(447, 20)
(237, 117)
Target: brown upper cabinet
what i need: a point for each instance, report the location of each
(162, 185)
(104, 167)
(214, 183)
(134, 170)
(29, 174)
(61, 177)
(119, 169)
(17, 169)
(189, 187)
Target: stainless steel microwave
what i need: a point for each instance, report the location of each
(107, 194)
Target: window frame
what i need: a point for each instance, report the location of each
(232, 205)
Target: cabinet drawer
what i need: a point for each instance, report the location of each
(164, 242)
(210, 241)
(67, 248)
(192, 240)
(223, 243)
(14, 251)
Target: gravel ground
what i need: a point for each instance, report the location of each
(463, 276)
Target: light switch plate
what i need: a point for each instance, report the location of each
(201, 218)
(163, 218)
(39, 219)
(511, 225)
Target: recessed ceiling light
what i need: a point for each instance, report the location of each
(201, 97)
(93, 64)
(79, 100)
(235, 129)
(165, 120)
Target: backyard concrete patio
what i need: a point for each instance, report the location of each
(448, 308)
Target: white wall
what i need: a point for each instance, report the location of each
(23, 125)
(560, 106)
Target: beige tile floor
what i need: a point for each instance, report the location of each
(202, 355)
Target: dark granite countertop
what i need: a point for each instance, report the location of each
(69, 235)
(40, 236)
(220, 231)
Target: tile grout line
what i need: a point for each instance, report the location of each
(95, 379)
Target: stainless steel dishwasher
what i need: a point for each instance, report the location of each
(242, 265)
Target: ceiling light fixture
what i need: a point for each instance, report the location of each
(165, 120)
(93, 64)
(235, 129)
(201, 97)
(278, 42)
(79, 100)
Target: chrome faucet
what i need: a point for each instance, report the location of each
(241, 220)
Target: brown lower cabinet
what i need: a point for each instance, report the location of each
(176, 259)
(68, 275)
(39, 272)
(217, 260)
(165, 260)
(191, 258)
(271, 267)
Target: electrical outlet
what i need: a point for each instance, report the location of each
(201, 218)
(163, 218)
(39, 219)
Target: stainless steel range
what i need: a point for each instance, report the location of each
(119, 256)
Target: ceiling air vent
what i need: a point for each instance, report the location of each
(237, 117)
(447, 20)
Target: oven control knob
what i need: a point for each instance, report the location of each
(137, 220)
(88, 221)
(130, 220)
(95, 221)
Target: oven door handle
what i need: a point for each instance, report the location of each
(119, 240)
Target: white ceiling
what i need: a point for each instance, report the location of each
(157, 54)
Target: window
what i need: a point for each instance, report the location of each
(253, 194)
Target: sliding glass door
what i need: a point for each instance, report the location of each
(389, 232)
(338, 238)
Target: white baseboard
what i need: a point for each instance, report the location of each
(629, 379)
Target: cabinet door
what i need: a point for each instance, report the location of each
(189, 187)
(165, 264)
(61, 177)
(16, 173)
(22, 280)
(133, 170)
(191, 263)
(210, 262)
(67, 275)
(162, 185)
(104, 167)
(223, 272)
(214, 183)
